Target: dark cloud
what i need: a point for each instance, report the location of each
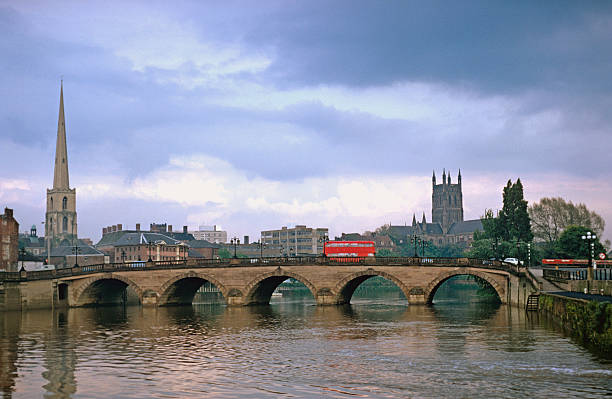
(488, 45)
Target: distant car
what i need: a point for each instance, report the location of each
(514, 261)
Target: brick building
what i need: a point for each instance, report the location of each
(9, 241)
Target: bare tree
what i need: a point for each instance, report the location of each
(551, 216)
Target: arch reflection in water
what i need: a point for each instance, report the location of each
(464, 288)
(372, 289)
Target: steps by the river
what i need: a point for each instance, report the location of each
(533, 303)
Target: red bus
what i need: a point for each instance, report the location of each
(349, 249)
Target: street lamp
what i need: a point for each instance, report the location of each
(75, 251)
(261, 247)
(416, 240)
(123, 256)
(235, 241)
(323, 240)
(150, 245)
(424, 244)
(529, 254)
(22, 254)
(590, 239)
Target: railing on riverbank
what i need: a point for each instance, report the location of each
(253, 262)
(578, 274)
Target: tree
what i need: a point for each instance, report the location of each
(504, 235)
(571, 245)
(551, 216)
(515, 224)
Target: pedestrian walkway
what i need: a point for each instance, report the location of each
(546, 285)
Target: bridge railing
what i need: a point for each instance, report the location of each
(250, 262)
(563, 276)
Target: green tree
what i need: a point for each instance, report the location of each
(515, 224)
(571, 245)
(551, 216)
(504, 235)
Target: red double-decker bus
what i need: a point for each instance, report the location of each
(349, 249)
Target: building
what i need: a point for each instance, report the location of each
(381, 241)
(61, 216)
(82, 255)
(9, 241)
(130, 246)
(297, 241)
(204, 248)
(211, 234)
(32, 244)
(447, 226)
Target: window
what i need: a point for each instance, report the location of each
(64, 203)
(65, 224)
(51, 203)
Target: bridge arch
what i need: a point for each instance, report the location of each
(180, 289)
(259, 290)
(346, 287)
(104, 289)
(431, 289)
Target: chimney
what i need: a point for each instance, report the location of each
(104, 231)
(114, 227)
(169, 228)
(246, 240)
(119, 227)
(137, 226)
(185, 229)
(8, 212)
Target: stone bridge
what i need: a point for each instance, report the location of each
(249, 281)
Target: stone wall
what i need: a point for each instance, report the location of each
(588, 321)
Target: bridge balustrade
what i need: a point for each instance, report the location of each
(269, 261)
(604, 273)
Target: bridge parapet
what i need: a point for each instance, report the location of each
(250, 262)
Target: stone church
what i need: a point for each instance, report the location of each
(447, 224)
(61, 216)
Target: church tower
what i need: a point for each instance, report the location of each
(446, 201)
(61, 217)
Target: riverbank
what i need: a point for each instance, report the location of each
(590, 322)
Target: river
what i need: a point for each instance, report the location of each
(373, 348)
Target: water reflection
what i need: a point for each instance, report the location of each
(369, 349)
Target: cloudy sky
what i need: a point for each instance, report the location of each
(254, 115)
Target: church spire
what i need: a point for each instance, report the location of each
(414, 220)
(424, 222)
(433, 178)
(60, 174)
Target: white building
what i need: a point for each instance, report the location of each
(211, 234)
(300, 240)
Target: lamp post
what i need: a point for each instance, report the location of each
(235, 241)
(123, 256)
(22, 254)
(590, 240)
(150, 245)
(424, 244)
(261, 247)
(323, 240)
(416, 240)
(529, 254)
(75, 251)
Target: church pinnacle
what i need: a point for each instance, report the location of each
(61, 217)
(60, 174)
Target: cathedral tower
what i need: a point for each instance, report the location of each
(61, 217)
(446, 201)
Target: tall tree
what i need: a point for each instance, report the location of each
(551, 216)
(515, 224)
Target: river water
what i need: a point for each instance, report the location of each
(373, 348)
